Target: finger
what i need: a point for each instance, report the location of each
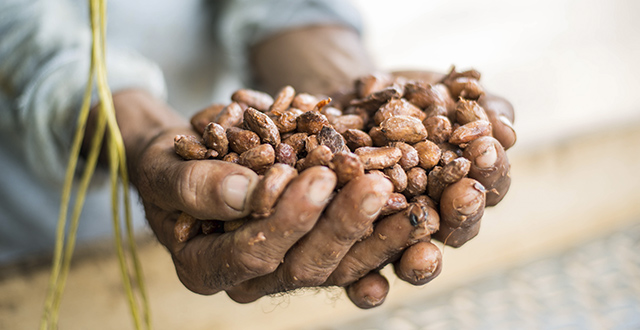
(501, 116)
(490, 166)
(205, 189)
(257, 248)
(369, 291)
(461, 208)
(419, 264)
(390, 236)
(347, 218)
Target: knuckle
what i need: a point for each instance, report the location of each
(307, 275)
(255, 265)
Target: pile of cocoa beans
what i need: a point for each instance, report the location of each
(434, 142)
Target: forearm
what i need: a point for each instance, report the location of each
(315, 59)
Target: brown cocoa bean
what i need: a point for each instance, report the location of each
(347, 166)
(397, 107)
(215, 138)
(230, 116)
(404, 129)
(374, 158)
(438, 128)
(297, 141)
(231, 157)
(416, 182)
(270, 188)
(305, 102)
(455, 170)
(262, 125)
(397, 176)
(468, 111)
(285, 154)
(259, 158)
(346, 122)
(283, 100)
(409, 157)
(469, 132)
(356, 139)
(396, 203)
(252, 98)
(209, 114)
(189, 147)
(428, 154)
(331, 138)
(241, 140)
(311, 122)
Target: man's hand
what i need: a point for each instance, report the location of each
(299, 245)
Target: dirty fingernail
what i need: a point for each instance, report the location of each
(234, 190)
(488, 157)
(320, 190)
(371, 204)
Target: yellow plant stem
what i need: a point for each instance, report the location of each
(105, 122)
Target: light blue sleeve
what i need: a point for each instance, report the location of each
(44, 65)
(241, 24)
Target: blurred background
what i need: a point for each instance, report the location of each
(561, 251)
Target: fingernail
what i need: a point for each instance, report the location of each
(488, 157)
(371, 204)
(320, 190)
(468, 203)
(505, 121)
(234, 190)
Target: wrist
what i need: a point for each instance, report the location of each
(316, 59)
(141, 118)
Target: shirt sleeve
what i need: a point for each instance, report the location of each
(240, 24)
(44, 66)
